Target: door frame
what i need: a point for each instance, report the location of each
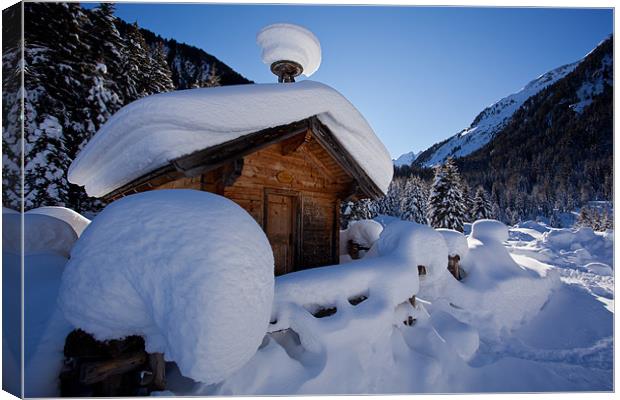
(295, 215)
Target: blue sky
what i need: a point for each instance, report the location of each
(418, 74)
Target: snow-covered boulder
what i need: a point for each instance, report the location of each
(456, 242)
(489, 230)
(288, 42)
(190, 271)
(42, 234)
(76, 220)
(363, 232)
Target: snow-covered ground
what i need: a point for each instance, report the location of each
(534, 311)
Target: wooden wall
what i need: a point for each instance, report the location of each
(300, 167)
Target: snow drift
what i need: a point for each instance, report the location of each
(42, 234)
(149, 132)
(190, 271)
(382, 282)
(47, 243)
(76, 220)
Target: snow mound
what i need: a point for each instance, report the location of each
(288, 42)
(461, 337)
(154, 130)
(363, 232)
(570, 238)
(42, 234)
(6, 210)
(496, 288)
(537, 226)
(489, 230)
(456, 242)
(76, 220)
(190, 271)
(599, 269)
(46, 328)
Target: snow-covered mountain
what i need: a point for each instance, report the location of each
(406, 159)
(490, 121)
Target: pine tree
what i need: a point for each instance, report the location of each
(213, 79)
(362, 209)
(446, 208)
(414, 202)
(134, 60)
(158, 75)
(468, 202)
(54, 58)
(482, 207)
(108, 47)
(390, 204)
(608, 219)
(11, 127)
(584, 218)
(354, 211)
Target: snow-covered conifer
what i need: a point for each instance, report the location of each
(158, 76)
(446, 207)
(468, 202)
(414, 201)
(481, 206)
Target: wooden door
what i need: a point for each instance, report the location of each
(280, 218)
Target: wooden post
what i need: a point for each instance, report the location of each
(453, 266)
(158, 366)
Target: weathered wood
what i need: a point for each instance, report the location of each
(295, 143)
(232, 171)
(338, 153)
(94, 372)
(453, 266)
(110, 368)
(280, 225)
(158, 368)
(303, 157)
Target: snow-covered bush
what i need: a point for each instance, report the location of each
(76, 220)
(42, 234)
(489, 230)
(190, 271)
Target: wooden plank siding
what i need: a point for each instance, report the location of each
(299, 167)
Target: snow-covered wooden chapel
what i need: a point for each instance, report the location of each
(287, 153)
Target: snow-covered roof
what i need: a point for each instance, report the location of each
(150, 132)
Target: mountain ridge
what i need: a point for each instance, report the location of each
(491, 119)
